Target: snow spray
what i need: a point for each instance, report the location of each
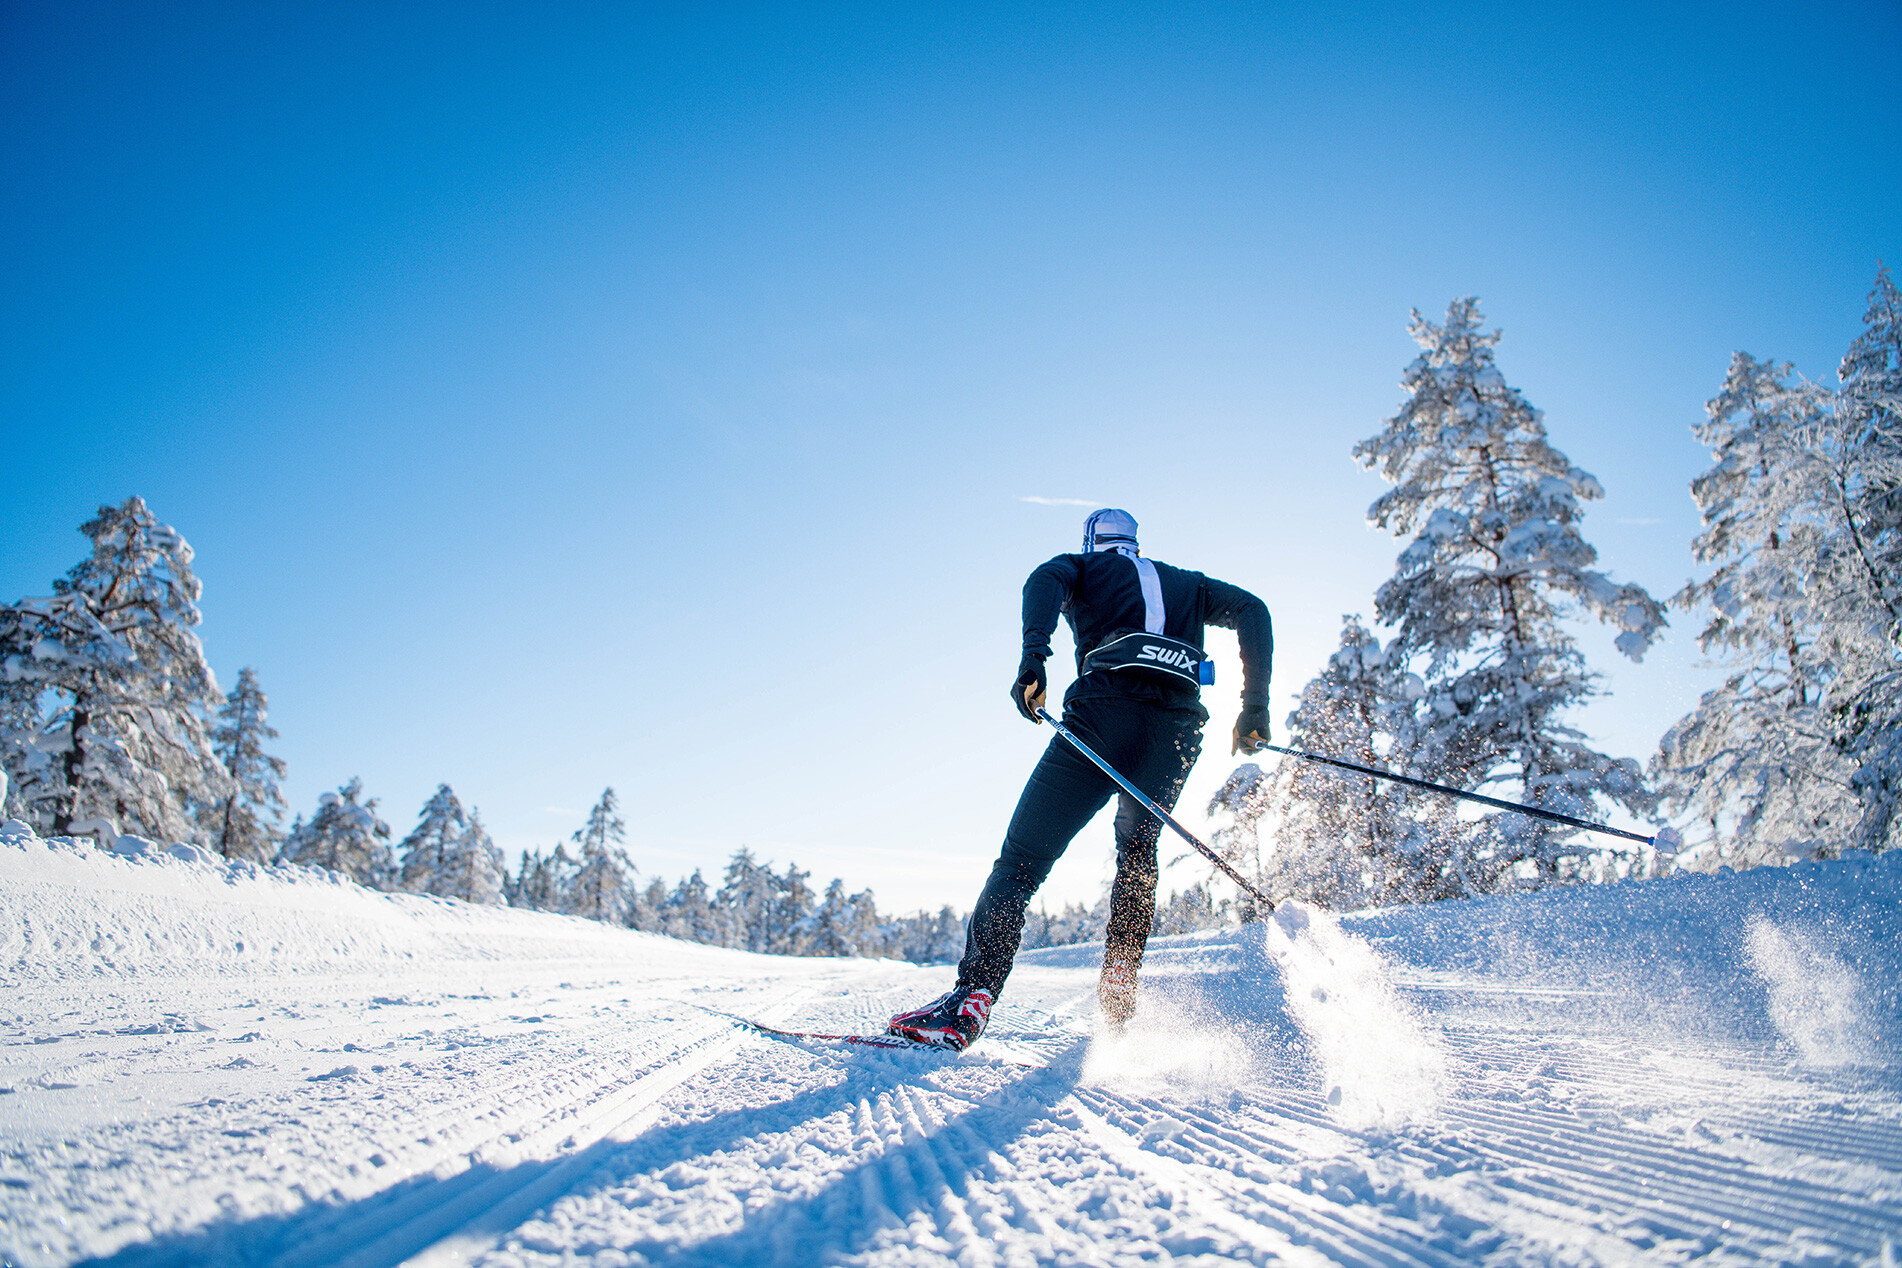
(1180, 1042)
(1815, 998)
(1381, 1063)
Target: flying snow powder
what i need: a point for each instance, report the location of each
(1382, 1064)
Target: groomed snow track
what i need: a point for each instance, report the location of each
(1408, 1090)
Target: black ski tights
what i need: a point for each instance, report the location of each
(1154, 749)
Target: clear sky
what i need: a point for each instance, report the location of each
(675, 397)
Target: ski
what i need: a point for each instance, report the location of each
(870, 1041)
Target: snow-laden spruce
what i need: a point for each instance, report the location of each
(758, 904)
(1349, 841)
(1480, 595)
(686, 913)
(421, 853)
(104, 687)
(1237, 807)
(1799, 752)
(544, 880)
(346, 836)
(449, 854)
(472, 867)
(845, 924)
(246, 822)
(602, 888)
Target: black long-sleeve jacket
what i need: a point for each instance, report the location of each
(1100, 594)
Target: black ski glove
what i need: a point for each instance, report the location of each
(1251, 731)
(1027, 692)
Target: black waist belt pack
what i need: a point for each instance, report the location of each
(1152, 656)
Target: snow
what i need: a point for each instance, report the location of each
(215, 1063)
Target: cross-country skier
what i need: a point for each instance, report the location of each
(1138, 627)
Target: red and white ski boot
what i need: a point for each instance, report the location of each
(954, 1020)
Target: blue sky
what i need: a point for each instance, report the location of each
(574, 395)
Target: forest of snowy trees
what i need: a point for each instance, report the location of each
(112, 723)
(1797, 755)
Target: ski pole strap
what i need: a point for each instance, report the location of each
(1535, 811)
(1149, 805)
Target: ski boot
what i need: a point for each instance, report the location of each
(1116, 993)
(954, 1020)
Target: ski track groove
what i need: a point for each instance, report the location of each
(1605, 1163)
(1598, 1177)
(449, 1131)
(919, 1173)
(406, 1225)
(1302, 1218)
(486, 1115)
(1625, 1176)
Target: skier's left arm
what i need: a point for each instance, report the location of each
(1045, 593)
(1234, 608)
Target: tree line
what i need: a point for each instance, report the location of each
(754, 908)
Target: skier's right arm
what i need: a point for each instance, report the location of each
(1045, 593)
(1238, 610)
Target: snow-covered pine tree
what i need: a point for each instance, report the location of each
(515, 884)
(106, 687)
(864, 927)
(245, 824)
(938, 939)
(1800, 751)
(830, 919)
(544, 882)
(472, 868)
(1243, 799)
(1868, 698)
(792, 920)
(747, 903)
(844, 924)
(425, 851)
(689, 912)
(1756, 760)
(650, 907)
(1346, 841)
(602, 888)
(1190, 911)
(1075, 923)
(347, 837)
(1480, 594)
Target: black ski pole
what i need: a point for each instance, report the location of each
(1667, 834)
(1156, 810)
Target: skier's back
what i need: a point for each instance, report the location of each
(1138, 626)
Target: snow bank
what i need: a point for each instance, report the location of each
(1809, 955)
(225, 1064)
(70, 910)
(1803, 960)
(1805, 956)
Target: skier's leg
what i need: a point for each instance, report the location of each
(1133, 893)
(1174, 742)
(1064, 792)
